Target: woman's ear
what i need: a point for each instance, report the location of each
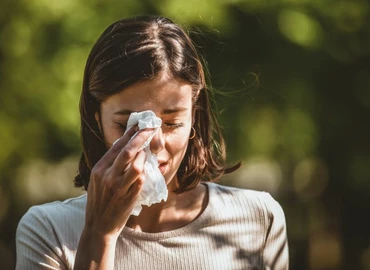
(97, 119)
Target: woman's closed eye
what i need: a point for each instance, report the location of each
(173, 125)
(122, 126)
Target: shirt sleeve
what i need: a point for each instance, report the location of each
(37, 246)
(276, 253)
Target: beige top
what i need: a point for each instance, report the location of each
(239, 229)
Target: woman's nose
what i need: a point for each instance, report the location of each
(157, 143)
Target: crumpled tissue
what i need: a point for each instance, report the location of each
(154, 189)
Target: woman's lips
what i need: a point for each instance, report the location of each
(162, 167)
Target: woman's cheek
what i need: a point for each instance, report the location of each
(179, 139)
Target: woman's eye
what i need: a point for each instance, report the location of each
(174, 125)
(122, 126)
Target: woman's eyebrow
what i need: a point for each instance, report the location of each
(165, 111)
(174, 110)
(124, 112)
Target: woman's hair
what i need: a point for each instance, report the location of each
(135, 50)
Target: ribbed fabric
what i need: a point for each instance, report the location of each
(239, 229)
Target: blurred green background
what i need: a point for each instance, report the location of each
(295, 77)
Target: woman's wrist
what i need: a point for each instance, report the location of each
(96, 237)
(95, 250)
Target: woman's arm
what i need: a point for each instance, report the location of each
(95, 252)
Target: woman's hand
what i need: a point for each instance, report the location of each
(114, 186)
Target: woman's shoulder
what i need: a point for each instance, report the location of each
(48, 234)
(54, 217)
(245, 200)
(69, 208)
(256, 214)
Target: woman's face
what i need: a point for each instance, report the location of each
(171, 100)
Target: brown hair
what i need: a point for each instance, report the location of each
(134, 50)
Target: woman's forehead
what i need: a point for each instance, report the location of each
(163, 94)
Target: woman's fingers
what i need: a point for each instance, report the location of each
(133, 173)
(116, 148)
(130, 151)
(127, 155)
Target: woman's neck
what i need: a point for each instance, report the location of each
(178, 211)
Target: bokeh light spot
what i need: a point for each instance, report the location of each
(310, 177)
(299, 28)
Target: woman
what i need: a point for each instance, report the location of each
(138, 64)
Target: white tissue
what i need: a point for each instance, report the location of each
(154, 189)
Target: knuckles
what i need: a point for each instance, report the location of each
(136, 168)
(97, 172)
(128, 153)
(116, 148)
(100, 174)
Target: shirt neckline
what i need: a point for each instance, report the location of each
(196, 224)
